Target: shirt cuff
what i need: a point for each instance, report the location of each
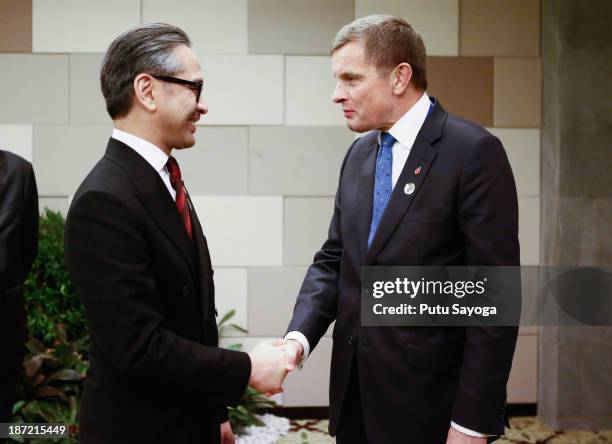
(302, 340)
(469, 432)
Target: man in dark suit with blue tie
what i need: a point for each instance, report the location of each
(422, 188)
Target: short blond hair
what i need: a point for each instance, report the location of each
(388, 41)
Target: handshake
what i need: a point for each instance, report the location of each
(270, 363)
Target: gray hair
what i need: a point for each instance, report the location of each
(143, 49)
(388, 41)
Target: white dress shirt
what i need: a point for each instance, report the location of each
(405, 132)
(149, 152)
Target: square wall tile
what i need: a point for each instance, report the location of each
(306, 224)
(243, 90)
(309, 89)
(81, 25)
(16, 26)
(310, 386)
(212, 26)
(275, 287)
(464, 86)
(523, 149)
(295, 26)
(523, 381)
(296, 160)
(518, 92)
(499, 28)
(17, 139)
(87, 105)
(217, 163)
(242, 231)
(529, 230)
(34, 98)
(437, 22)
(231, 294)
(60, 204)
(59, 146)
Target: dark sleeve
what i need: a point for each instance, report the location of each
(29, 226)
(222, 415)
(488, 219)
(315, 307)
(109, 261)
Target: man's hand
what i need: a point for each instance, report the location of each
(227, 436)
(267, 367)
(294, 352)
(456, 437)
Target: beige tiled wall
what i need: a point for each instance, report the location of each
(16, 26)
(34, 88)
(437, 21)
(17, 138)
(215, 146)
(296, 160)
(500, 28)
(243, 89)
(80, 25)
(265, 166)
(296, 26)
(214, 27)
(464, 86)
(308, 92)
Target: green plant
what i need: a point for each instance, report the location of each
(50, 297)
(51, 384)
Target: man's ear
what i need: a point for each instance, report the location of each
(143, 91)
(401, 76)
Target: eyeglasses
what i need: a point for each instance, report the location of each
(194, 86)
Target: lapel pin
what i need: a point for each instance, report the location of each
(409, 188)
(417, 171)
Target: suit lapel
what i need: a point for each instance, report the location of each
(204, 261)
(422, 155)
(155, 197)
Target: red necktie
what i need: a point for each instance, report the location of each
(181, 195)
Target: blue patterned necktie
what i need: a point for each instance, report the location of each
(382, 184)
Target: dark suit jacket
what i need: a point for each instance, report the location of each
(18, 244)
(414, 380)
(157, 374)
(18, 220)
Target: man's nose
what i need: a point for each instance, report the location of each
(338, 95)
(202, 107)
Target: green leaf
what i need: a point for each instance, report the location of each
(47, 391)
(32, 367)
(64, 375)
(230, 314)
(239, 328)
(17, 406)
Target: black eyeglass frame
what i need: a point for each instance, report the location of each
(196, 86)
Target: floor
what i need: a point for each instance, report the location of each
(525, 430)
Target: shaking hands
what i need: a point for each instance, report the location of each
(270, 363)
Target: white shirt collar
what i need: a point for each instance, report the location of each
(150, 152)
(406, 129)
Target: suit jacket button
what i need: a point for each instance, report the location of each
(185, 291)
(350, 340)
